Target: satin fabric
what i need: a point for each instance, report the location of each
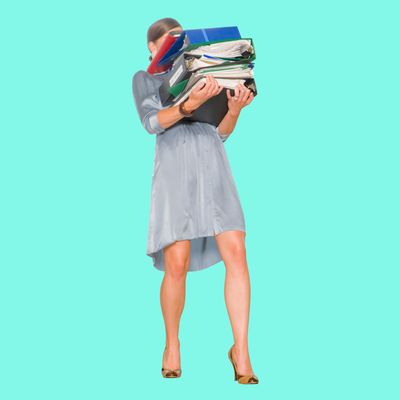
(193, 194)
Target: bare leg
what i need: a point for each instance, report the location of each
(172, 297)
(231, 245)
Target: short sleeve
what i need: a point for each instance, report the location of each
(147, 102)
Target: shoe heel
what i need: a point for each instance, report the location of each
(171, 373)
(233, 365)
(244, 379)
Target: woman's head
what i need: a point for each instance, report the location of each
(158, 31)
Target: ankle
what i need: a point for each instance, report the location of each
(172, 345)
(241, 349)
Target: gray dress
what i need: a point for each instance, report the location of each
(193, 195)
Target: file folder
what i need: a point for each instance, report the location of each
(197, 36)
(154, 66)
(196, 53)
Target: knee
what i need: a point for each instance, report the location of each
(176, 259)
(237, 251)
(177, 267)
(236, 257)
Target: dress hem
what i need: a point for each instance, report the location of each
(152, 254)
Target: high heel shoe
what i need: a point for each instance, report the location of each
(171, 373)
(246, 379)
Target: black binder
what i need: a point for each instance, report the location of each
(214, 110)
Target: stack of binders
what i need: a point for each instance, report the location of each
(186, 57)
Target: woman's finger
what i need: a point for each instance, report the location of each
(204, 89)
(242, 93)
(197, 89)
(250, 98)
(210, 85)
(214, 85)
(246, 94)
(216, 88)
(236, 95)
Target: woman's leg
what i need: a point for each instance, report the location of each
(172, 296)
(231, 245)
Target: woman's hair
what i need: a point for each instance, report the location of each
(158, 28)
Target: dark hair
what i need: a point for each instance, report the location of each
(158, 28)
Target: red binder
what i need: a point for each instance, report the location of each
(153, 68)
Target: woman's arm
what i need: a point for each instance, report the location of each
(242, 97)
(154, 117)
(169, 116)
(227, 125)
(199, 95)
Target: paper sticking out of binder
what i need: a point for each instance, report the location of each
(190, 55)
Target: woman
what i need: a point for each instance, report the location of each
(196, 218)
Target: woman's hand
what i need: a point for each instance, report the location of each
(242, 97)
(202, 92)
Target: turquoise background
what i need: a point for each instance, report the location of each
(316, 162)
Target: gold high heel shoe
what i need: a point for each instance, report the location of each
(246, 379)
(171, 373)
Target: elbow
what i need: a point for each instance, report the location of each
(223, 136)
(151, 123)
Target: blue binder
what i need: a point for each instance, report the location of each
(195, 36)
